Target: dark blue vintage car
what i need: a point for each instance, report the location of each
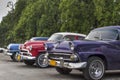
(99, 51)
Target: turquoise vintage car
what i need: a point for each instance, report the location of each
(13, 51)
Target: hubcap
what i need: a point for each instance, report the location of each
(41, 61)
(16, 56)
(96, 69)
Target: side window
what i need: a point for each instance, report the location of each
(69, 38)
(109, 34)
(80, 38)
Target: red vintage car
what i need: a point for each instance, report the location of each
(33, 51)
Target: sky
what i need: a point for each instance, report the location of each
(3, 8)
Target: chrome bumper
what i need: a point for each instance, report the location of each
(7, 53)
(23, 57)
(27, 57)
(79, 65)
(26, 52)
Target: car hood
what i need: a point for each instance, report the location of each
(65, 45)
(13, 46)
(33, 42)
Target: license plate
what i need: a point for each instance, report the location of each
(53, 63)
(18, 57)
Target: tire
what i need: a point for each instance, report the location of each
(11, 57)
(63, 70)
(40, 61)
(95, 69)
(28, 62)
(14, 57)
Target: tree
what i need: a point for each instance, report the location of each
(76, 15)
(45, 17)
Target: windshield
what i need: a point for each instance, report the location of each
(102, 35)
(56, 37)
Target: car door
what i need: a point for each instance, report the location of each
(114, 52)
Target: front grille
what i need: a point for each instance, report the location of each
(58, 56)
(24, 52)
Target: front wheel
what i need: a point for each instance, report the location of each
(40, 61)
(63, 70)
(95, 69)
(14, 57)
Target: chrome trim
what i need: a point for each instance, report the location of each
(7, 53)
(70, 65)
(27, 52)
(27, 57)
(62, 54)
(66, 57)
(60, 58)
(24, 49)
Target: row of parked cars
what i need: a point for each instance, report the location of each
(91, 54)
(13, 49)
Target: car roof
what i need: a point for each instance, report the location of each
(108, 27)
(70, 33)
(34, 38)
(39, 37)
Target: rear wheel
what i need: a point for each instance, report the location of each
(95, 69)
(63, 70)
(11, 57)
(14, 57)
(40, 61)
(28, 62)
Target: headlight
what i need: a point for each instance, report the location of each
(45, 45)
(71, 46)
(29, 47)
(74, 57)
(46, 55)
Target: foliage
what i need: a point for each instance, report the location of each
(45, 17)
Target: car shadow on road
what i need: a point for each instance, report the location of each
(27, 66)
(79, 76)
(72, 76)
(22, 65)
(7, 60)
(112, 75)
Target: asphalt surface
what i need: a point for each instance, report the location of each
(10, 70)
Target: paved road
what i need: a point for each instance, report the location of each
(18, 71)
